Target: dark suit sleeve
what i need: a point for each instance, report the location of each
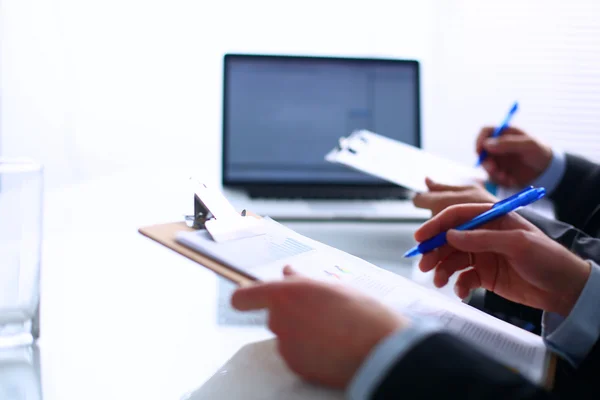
(443, 366)
(579, 382)
(585, 244)
(589, 369)
(578, 193)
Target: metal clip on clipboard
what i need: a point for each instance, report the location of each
(348, 143)
(201, 215)
(214, 213)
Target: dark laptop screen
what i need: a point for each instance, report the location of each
(282, 114)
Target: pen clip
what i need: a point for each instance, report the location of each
(514, 196)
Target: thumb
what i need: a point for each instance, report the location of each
(509, 144)
(483, 240)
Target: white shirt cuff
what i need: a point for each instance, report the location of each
(574, 336)
(553, 174)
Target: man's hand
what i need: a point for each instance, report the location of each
(514, 159)
(442, 196)
(509, 256)
(324, 331)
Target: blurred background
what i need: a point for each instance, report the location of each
(91, 88)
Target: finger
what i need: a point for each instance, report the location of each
(484, 133)
(430, 260)
(508, 144)
(466, 282)
(253, 297)
(420, 199)
(486, 240)
(430, 200)
(437, 201)
(439, 187)
(456, 261)
(450, 218)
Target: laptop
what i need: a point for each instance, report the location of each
(282, 114)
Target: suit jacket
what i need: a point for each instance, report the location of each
(577, 197)
(577, 207)
(443, 366)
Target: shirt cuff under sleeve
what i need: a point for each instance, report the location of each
(574, 336)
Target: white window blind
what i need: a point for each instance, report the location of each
(545, 54)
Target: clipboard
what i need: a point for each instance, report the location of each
(400, 163)
(165, 234)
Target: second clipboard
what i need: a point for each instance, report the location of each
(400, 163)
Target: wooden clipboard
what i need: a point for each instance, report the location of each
(165, 235)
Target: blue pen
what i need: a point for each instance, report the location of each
(498, 131)
(523, 198)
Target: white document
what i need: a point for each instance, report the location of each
(257, 372)
(264, 257)
(400, 163)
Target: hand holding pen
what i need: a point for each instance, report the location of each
(511, 157)
(509, 256)
(499, 130)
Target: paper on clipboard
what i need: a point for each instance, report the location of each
(400, 163)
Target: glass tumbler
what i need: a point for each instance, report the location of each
(21, 191)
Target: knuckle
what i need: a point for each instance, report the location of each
(521, 243)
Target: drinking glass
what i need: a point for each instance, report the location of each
(21, 188)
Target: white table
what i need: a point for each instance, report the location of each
(123, 317)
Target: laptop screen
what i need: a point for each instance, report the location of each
(282, 114)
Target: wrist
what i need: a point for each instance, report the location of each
(576, 283)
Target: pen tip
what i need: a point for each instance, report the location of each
(515, 107)
(411, 253)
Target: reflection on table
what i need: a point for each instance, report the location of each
(20, 377)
